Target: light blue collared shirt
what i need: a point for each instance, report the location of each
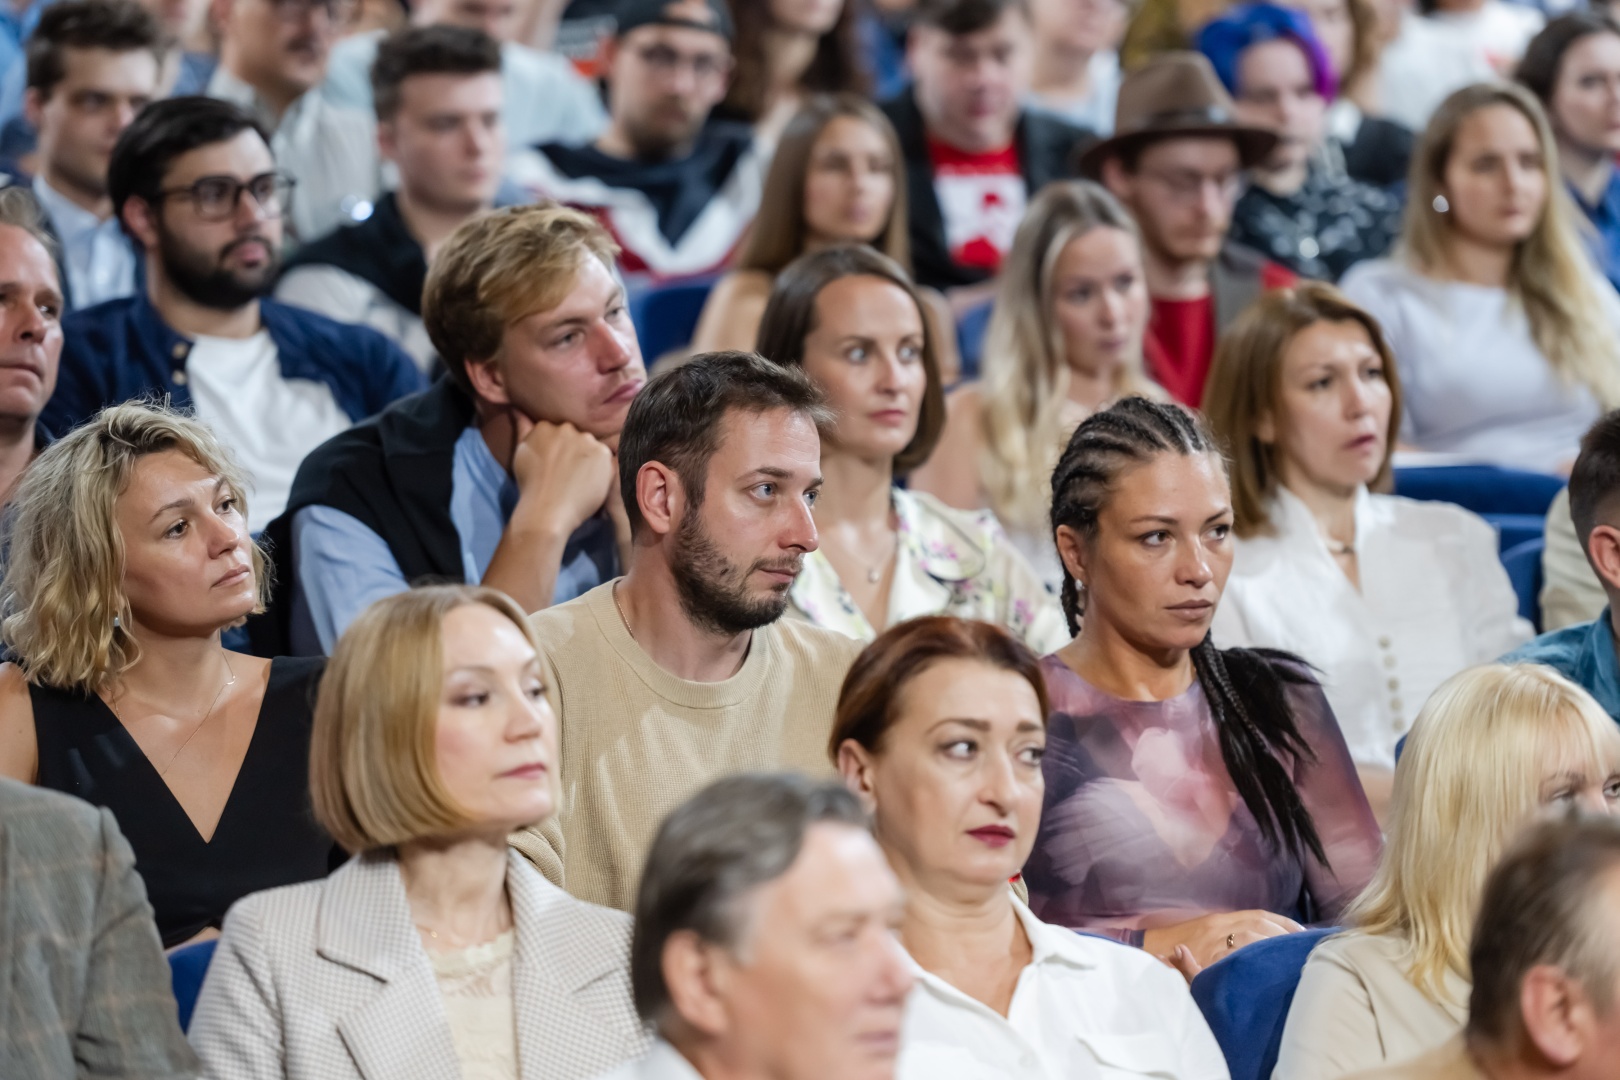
(344, 566)
(99, 258)
(1584, 654)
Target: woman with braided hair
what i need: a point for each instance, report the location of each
(1197, 799)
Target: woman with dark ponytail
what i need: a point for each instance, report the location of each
(1197, 799)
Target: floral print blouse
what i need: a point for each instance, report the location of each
(950, 562)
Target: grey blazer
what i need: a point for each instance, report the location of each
(84, 989)
(328, 980)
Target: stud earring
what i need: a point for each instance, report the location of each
(1440, 204)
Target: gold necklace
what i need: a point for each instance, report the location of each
(227, 684)
(620, 608)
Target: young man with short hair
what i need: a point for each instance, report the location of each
(677, 188)
(502, 472)
(92, 65)
(974, 154)
(272, 58)
(195, 185)
(438, 100)
(30, 334)
(1177, 161)
(684, 670)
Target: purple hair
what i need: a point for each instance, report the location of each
(1224, 39)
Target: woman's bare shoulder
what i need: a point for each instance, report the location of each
(19, 747)
(731, 315)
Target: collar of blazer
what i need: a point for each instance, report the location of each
(563, 947)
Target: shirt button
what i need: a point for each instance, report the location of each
(179, 378)
(179, 351)
(1383, 642)
(1394, 684)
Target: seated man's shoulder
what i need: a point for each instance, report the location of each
(102, 318)
(339, 343)
(1557, 649)
(826, 652)
(568, 628)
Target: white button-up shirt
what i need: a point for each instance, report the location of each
(1084, 1009)
(98, 257)
(1434, 599)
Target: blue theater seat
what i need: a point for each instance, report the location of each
(666, 316)
(1245, 999)
(1523, 565)
(187, 966)
(1485, 489)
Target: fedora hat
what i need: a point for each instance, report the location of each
(1175, 94)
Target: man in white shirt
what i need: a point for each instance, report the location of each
(272, 56)
(92, 65)
(195, 185)
(764, 943)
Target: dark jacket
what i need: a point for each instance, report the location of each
(1045, 145)
(380, 250)
(123, 349)
(393, 474)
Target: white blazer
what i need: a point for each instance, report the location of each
(1434, 599)
(328, 980)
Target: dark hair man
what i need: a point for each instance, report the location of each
(195, 185)
(683, 670)
(675, 187)
(763, 942)
(438, 100)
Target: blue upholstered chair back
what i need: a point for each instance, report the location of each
(1245, 999)
(187, 966)
(666, 316)
(1523, 565)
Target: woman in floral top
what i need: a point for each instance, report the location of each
(852, 319)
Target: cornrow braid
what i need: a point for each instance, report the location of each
(1245, 688)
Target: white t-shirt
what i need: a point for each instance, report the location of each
(1473, 381)
(1422, 67)
(271, 422)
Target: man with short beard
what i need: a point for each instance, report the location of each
(194, 184)
(683, 670)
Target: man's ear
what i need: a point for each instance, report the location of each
(1557, 1015)
(219, 13)
(387, 139)
(140, 219)
(697, 975)
(660, 497)
(1603, 551)
(34, 106)
(1117, 179)
(488, 381)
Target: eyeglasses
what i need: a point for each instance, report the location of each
(217, 197)
(1186, 185)
(339, 12)
(666, 61)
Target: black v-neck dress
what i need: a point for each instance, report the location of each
(266, 836)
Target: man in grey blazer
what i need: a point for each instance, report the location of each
(84, 989)
(763, 943)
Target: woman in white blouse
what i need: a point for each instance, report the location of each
(435, 951)
(1387, 597)
(1492, 748)
(1504, 330)
(853, 321)
(940, 730)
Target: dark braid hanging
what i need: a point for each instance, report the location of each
(1246, 688)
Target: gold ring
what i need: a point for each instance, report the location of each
(1231, 941)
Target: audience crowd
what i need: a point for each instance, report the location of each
(1071, 555)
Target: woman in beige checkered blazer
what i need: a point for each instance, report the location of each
(435, 953)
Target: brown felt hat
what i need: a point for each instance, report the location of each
(1176, 94)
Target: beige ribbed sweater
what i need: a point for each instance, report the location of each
(636, 741)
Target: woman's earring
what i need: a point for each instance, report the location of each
(116, 623)
(1440, 204)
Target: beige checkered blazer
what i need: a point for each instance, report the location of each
(84, 990)
(328, 980)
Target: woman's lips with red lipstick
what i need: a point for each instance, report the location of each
(995, 836)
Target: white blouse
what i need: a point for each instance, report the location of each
(1084, 1009)
(1434, 599)
(1473, 381)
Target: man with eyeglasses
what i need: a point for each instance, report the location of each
(273, 56)
(196, 187)
(676, 187)
(1177, 160)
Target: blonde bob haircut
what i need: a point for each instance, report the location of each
(500, 267)
(1551, 274)
(373, 771)
(1467, 781)
(1246, 384)
(63, 611)
(1025, 370)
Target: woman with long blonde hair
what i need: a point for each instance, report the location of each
(1494, 746)
(129, 555)
(1065, 340)
(1503, 330)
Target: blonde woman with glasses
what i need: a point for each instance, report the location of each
(1503, 329)
(1065, 340)
(1493, 748)
(129, 555)
(436, 945)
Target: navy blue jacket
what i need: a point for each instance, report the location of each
(123, 349)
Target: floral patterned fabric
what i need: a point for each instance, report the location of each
(950, 562)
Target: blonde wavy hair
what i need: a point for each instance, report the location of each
(64, 577)
(1025, 375)
(1467, 781)
(1552, 274)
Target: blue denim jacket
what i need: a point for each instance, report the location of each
(1584, 654)
(123, 349)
